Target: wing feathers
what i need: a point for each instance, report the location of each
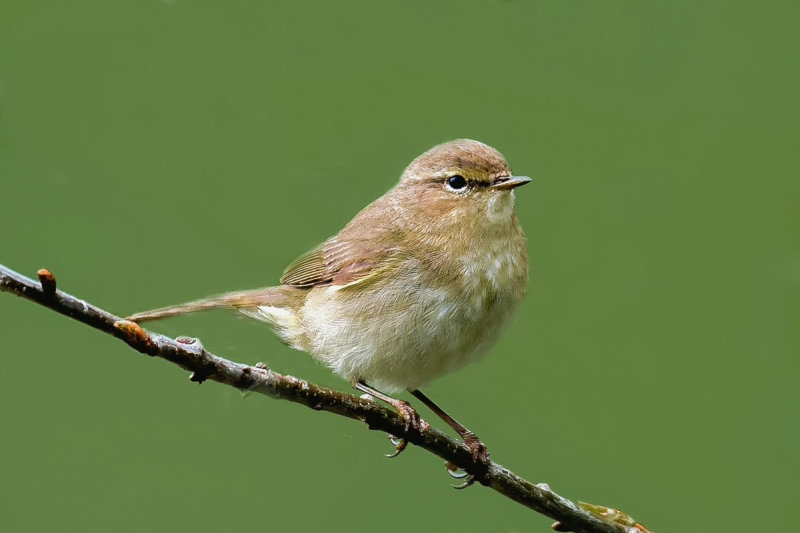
(340, 262)
(308, 269)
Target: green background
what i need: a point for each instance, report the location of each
(155, 152)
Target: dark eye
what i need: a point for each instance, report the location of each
(456, 182)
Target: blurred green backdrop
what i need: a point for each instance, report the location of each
(153, 152)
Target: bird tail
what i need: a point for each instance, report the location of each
(232, 300)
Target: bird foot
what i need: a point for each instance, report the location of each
(480, 460)
(480, 455)
(412, 421)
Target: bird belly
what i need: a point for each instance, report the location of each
(401, 333)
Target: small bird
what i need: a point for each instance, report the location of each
(418, 284)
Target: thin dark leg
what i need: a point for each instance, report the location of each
(480, 455)
(412, 419)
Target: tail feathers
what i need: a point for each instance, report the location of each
(232, 300)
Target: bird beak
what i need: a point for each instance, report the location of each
(506, 183)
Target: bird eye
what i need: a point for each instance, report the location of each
(456, 182)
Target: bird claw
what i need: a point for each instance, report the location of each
(480, 458)
(470, 480)
(453, 470)
(412, 421)
(399, 446)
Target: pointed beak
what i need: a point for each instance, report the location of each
(509, 182)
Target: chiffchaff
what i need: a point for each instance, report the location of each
(419, 283)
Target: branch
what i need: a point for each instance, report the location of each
(190, 355)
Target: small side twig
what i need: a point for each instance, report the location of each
(203, 365)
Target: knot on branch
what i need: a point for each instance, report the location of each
(48, 282)
(135, 336)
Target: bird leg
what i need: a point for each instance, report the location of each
(480, 455)
(404, 409)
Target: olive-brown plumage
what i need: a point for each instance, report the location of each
(419, 283)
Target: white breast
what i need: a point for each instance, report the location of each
(398, 333)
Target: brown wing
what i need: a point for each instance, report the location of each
(371, 243)
(340, 261)
(308, 269)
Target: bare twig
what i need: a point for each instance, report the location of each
(190, 354)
